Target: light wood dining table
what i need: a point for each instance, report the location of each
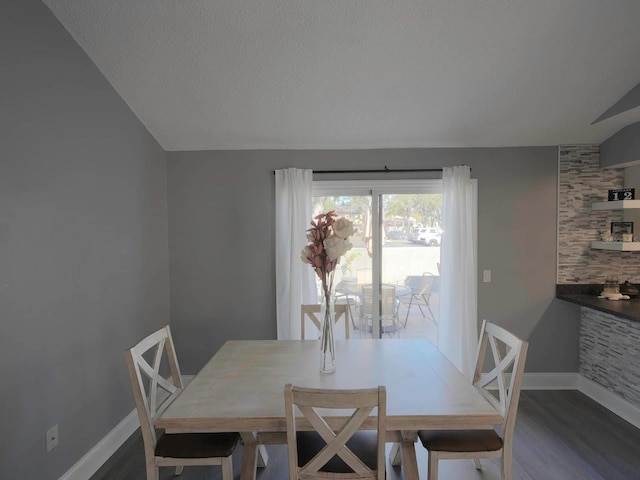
(241, 389)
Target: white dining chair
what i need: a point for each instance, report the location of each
(153, 393)
(311, 311)
(501, 387)
(344, 452)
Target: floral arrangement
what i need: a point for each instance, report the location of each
(329, 237)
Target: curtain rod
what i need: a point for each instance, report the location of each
(380, 170)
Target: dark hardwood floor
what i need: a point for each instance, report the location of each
(560, 435)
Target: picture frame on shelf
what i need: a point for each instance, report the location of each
(621, 228)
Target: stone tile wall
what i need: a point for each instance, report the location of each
(610, 353)
(582, 182)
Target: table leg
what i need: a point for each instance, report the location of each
(263, 456)
(404, 453)
(409, 461)
(252, 456)
(395, 456)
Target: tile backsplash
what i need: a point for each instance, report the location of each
(610, 353)
(580, 183)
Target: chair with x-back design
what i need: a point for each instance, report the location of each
(501, 387)
(176, 449)
(309, 311)
(336, 448)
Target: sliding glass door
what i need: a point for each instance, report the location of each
(395, 254)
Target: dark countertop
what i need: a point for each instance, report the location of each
(586, 295)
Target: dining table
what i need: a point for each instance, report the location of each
(241, 389)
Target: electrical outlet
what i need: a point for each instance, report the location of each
(52, 438)
(486, 276)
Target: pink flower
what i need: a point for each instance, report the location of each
(306, 255)
(328, 239)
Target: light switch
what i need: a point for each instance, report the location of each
(486, 276)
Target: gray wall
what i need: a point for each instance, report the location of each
(83, 245)
(221, 243)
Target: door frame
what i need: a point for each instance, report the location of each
(375, 189)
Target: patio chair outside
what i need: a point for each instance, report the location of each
(388, 310)
(421, 287)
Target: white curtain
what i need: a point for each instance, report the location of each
(458, 325)
(295, 283)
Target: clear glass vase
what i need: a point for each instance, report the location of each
(327, 343)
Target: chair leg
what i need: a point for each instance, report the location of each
(476, 461)
(506, 465)
(153, 472)
(433, 317)
(349, 307)
(406, 319)
(395, 328)
(227, 469)
(432, 466)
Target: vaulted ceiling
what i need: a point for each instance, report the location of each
(317, 74)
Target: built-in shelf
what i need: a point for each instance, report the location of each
(617, 246)
(615, 205)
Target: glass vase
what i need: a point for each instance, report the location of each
(327, 343)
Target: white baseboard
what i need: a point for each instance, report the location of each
(100, 453)
(550, 381)
(610, 401)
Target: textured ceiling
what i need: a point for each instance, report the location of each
(310, 74)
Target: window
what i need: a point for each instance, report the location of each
(397, 240)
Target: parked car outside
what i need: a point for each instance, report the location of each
(395, 235)
(414, 236)
(431, 237)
